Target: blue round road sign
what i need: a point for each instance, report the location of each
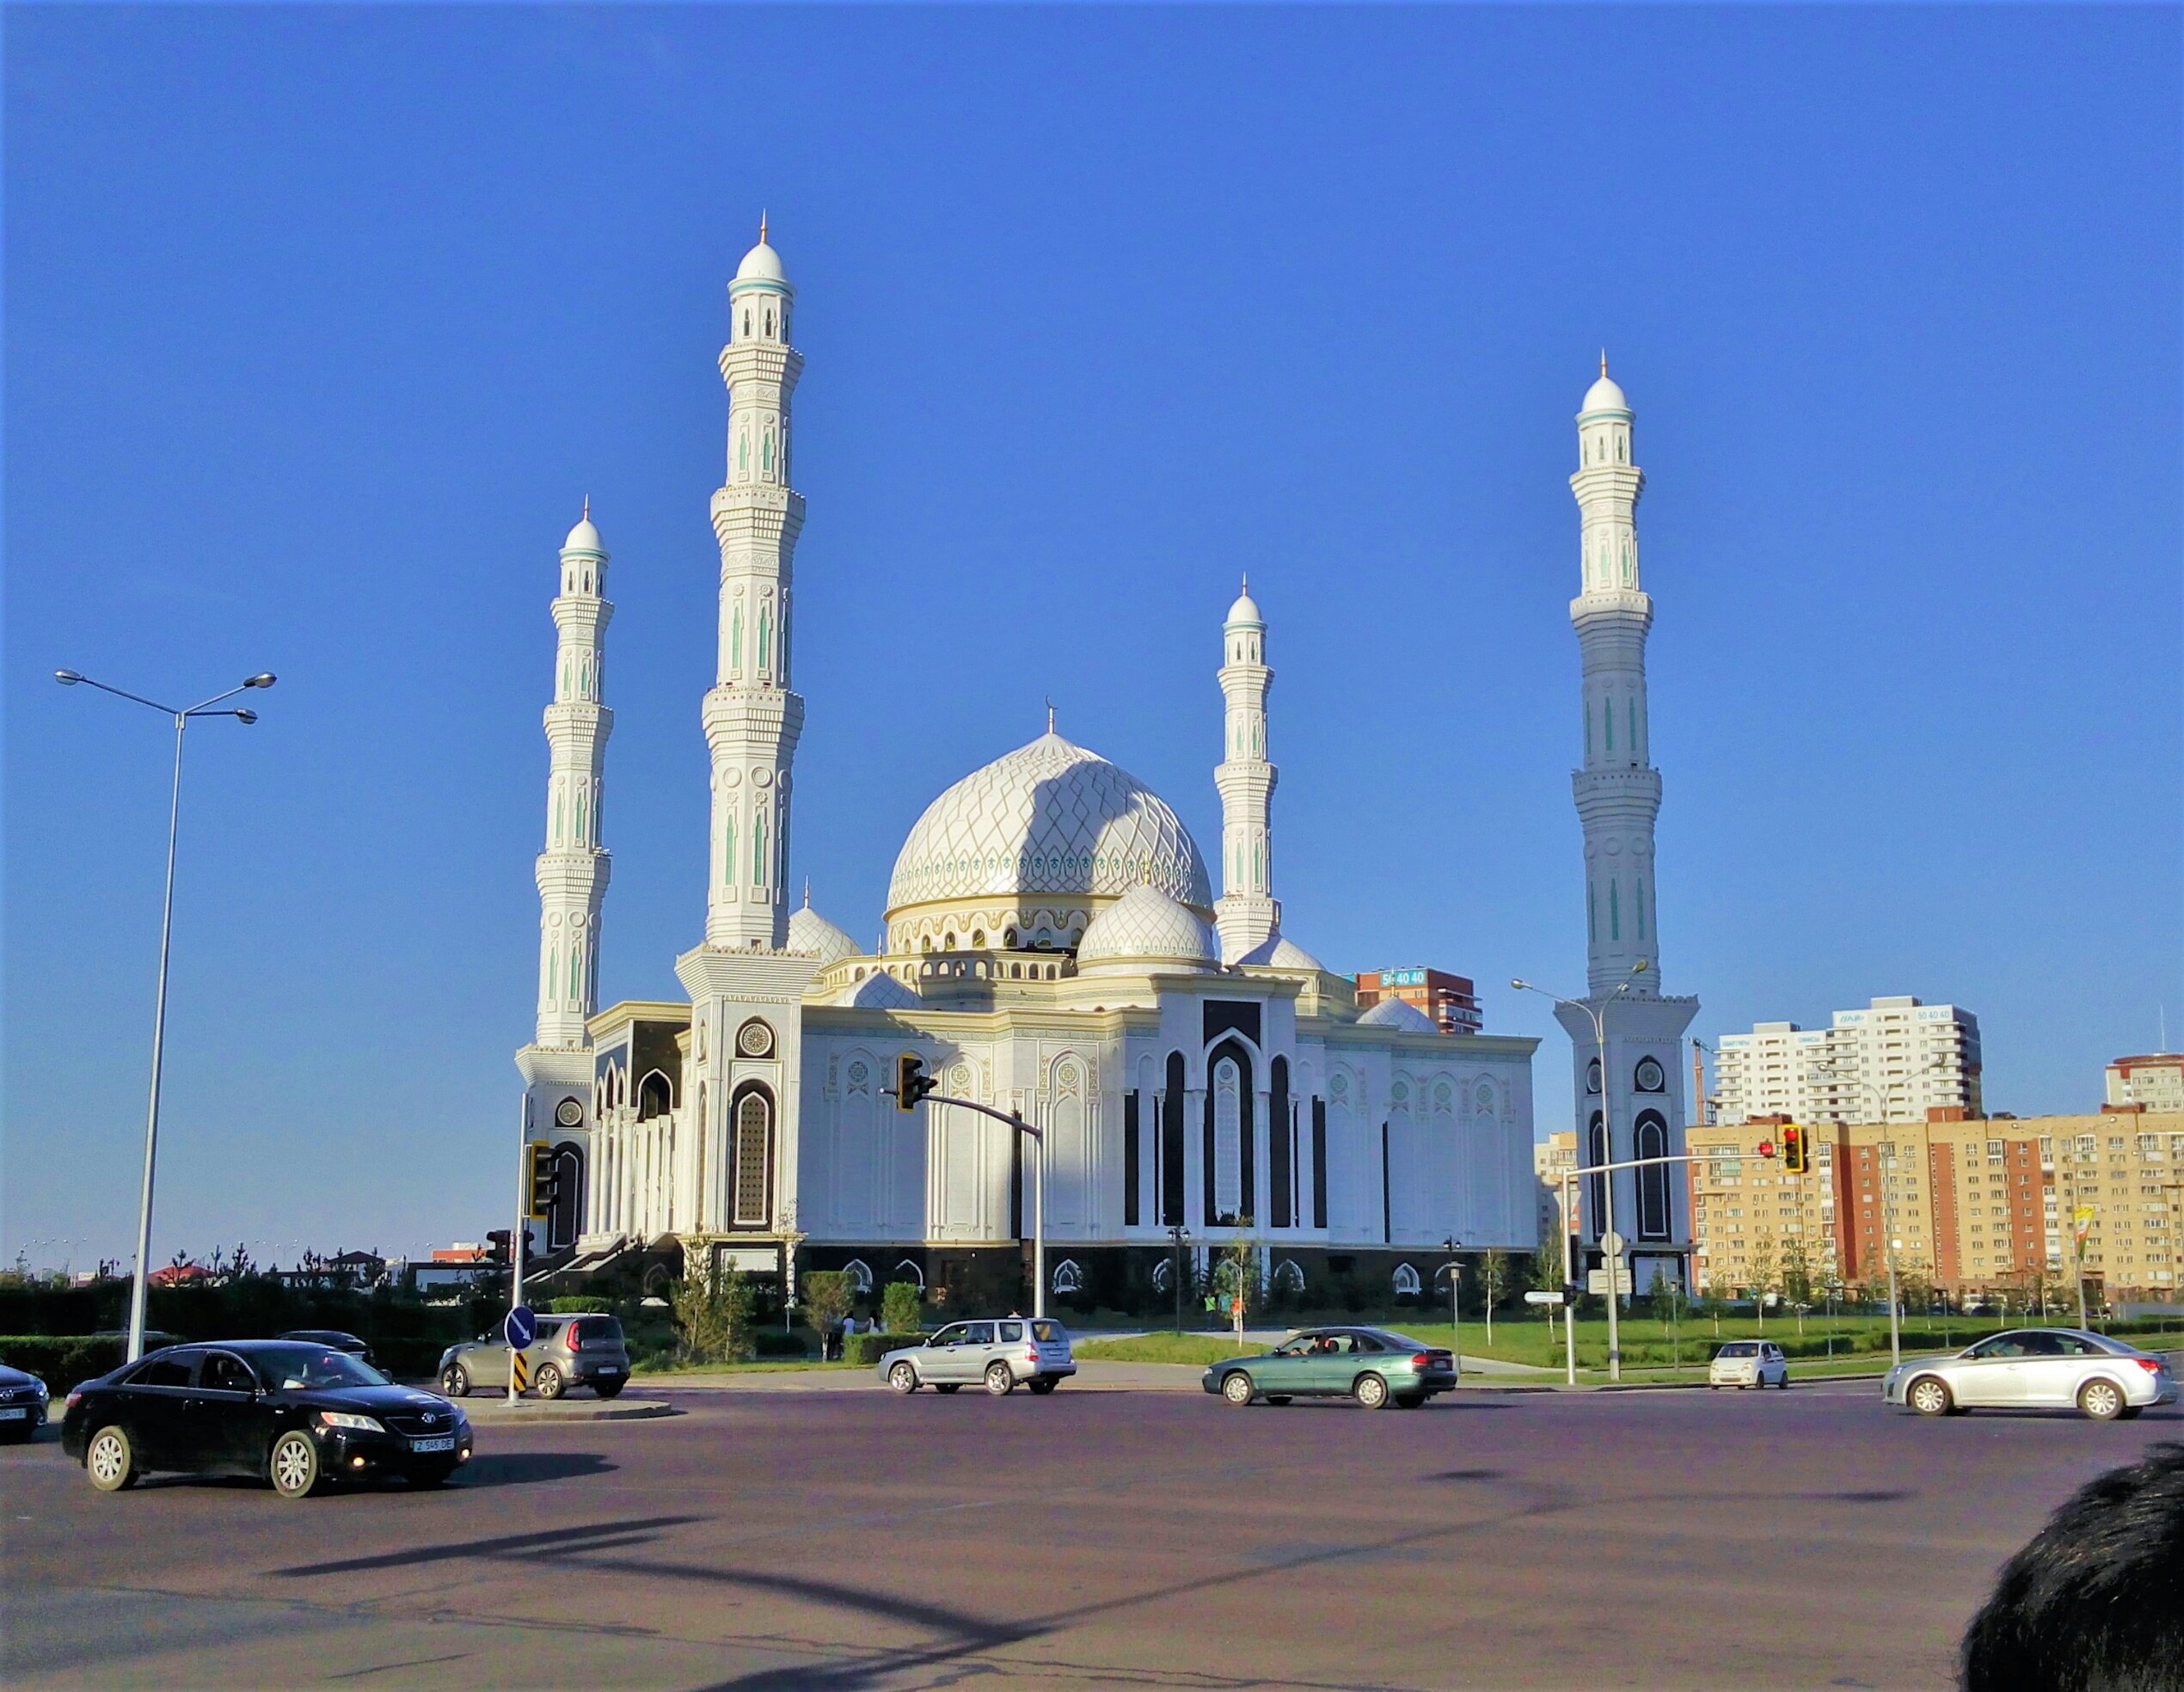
(522, 1326)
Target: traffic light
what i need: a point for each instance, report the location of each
(1797, 1156)
(912, 1082)
(1767, 1149)
(542, 1180)
(496, 1248)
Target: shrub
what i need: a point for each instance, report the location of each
(773, 1343)
(868, 1348)
(62, 1362)
(713, 1315)
(901, 1307)
(828, 1295)
(580, 1307)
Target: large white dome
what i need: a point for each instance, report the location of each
(1050, 824)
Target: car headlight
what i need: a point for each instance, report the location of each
(43, 1394)
(342, 1419)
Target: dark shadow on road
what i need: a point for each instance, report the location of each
(523, 1468)
(598, 1536)
(1468, 1474)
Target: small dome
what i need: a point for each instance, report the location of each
(584, 537)
(881, 991)
(1277, 952)
(1403, 1018)
(1604, 394)
(811, 935)
(760, 263)
(1246, 609)
(1146, 925)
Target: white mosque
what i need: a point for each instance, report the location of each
(1052, 946)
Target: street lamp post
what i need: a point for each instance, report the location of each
(1597, 1011)
(1178, 1234)
(1456, 1306)
(1038, 1188)
(181, 720)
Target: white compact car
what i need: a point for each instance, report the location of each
(2032, 1369)
(1749, 1363)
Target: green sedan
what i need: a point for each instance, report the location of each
(1370, 1365)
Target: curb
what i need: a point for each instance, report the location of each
(502, 1414)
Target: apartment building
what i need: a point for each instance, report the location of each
(1974, 1206)
(1893, 1062)
(1450, 1001)
(1551, 1157)
(2155, 1080)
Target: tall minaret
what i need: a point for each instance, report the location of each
(1618, 791)
(1247, 913)
(1628, 1088)
(572, 870)
(751, 719)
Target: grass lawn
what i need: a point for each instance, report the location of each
(1199, 1348)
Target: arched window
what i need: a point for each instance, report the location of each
(860, 1274)
(769, 320)
(656, 1095)
(1162, 1273)
(1289, 1278)
(907, 1271)
(1638, 904)
(1227, 1140)
(727, 851)
(759, 848)
(751, 1179)
(1405, 1281)
(742, 451)
(1652, 1141)
(1608, 719)
(1597, 1186)
(735, 637)
(580, 816)
(766, 453)
(746, 321)
(1631, 704)
(1615, 908)
(765, 636)
(1068, 1278)
(557, 816)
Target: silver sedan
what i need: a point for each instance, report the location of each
(2035, 1368)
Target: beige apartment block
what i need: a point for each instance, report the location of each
(1975, 1206)
(1551, 1158)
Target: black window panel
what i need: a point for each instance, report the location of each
(1278, 1172)
(1173, 1117)
(222, 1373)
(1130, 1159)
(165, 1371)
(1224, 1016)
(1319, 1164)
(1386, 1197)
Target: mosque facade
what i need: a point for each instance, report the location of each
(1052, 944)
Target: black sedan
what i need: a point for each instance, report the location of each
(335, 1340)
(299, 1415)
(22, 1404)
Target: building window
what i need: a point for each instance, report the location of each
(754, 1126)
(1405, 1281)
(1652, 1179)
(1227, 1140)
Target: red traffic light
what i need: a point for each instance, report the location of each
(1766, 1148)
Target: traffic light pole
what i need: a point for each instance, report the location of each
(519, 1238)
(912, 1084)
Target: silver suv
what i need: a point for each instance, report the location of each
(996, 1355)
(570, 1352)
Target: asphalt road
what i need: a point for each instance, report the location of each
(841, 1539)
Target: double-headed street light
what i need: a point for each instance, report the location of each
(182, 719)
(1597, 1011)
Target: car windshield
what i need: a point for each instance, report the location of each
(1739, 1348)
(313, 1368)
(1048, 1332)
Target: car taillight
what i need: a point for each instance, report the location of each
(72, 1399)
(2151, 1365)
(1032, 1356)
(1423, 1360)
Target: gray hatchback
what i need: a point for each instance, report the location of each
(996, 1355)
(570, 1352)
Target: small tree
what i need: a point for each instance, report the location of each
(1762, 1277)
(901, 1307)
(1494, 1281)
(713, 1314)
(828, 1295)
(1238, 1276)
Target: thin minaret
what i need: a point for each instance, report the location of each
(752, 718)
(573, 868)
(1247, 913)
(1617, 789)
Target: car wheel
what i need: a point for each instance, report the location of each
(111, 1460)
(1370, 1391)
(903, 1378)
(456, 1383)
(1001, 1381)
(1236, 1388)
(608, 1389)
(1281, 1400)
(2100, 1400)
(549, 1382)
(1930, 1396)
(294, 1465)
(1042, 1387)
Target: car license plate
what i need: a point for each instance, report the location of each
(445, 1443)
(17, 1414)
(610, 1370)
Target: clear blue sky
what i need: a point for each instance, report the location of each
(320, 323)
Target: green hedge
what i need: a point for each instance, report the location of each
(868, 1348)
(62, 1362)
(580, 1307)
